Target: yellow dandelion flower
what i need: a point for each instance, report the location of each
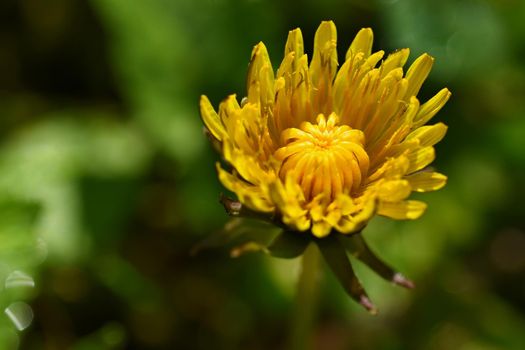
(317, 149)
(322, 149)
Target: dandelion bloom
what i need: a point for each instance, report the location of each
(322, 149)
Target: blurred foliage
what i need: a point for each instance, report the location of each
(106, 181)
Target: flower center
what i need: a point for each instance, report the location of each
(323, 158)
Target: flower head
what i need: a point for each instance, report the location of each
(313, 148)
(323, 149)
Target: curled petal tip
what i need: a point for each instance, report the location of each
(402, 281)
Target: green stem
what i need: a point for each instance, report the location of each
(306, 300)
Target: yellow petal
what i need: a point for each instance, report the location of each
(324, 60)
(352, 224)
(251, 196)
(267, 86)
(211, 119)
(343, 83)
(392, 168)
(259, 82)
(317, 209)
(300, 101)
(301, 223)
(286, 67)
(333, 216)
(369, 208)
(394, 60)
(426, 181)
(362, 43)
(373, 59)
(321, 229)
(410, 113)
(417, 73)
(246, 163)
(228, 108)
(410, 209)
(404, 147)
(429, 135)
(394, 190)
(294, 44)
(287, 198)
(345, 203)
(431, 107)
(420, 158)
(279, 84)
(346, 225)
(228, 180)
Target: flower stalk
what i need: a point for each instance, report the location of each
(306, 300)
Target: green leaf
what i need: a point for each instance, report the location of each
(18, 242)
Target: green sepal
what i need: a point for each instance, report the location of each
(357, 247)
(239, 232)
(338, 261)
(249, 231)
(285, 245)
(289, 244)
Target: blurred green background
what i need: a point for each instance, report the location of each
(106, 181)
